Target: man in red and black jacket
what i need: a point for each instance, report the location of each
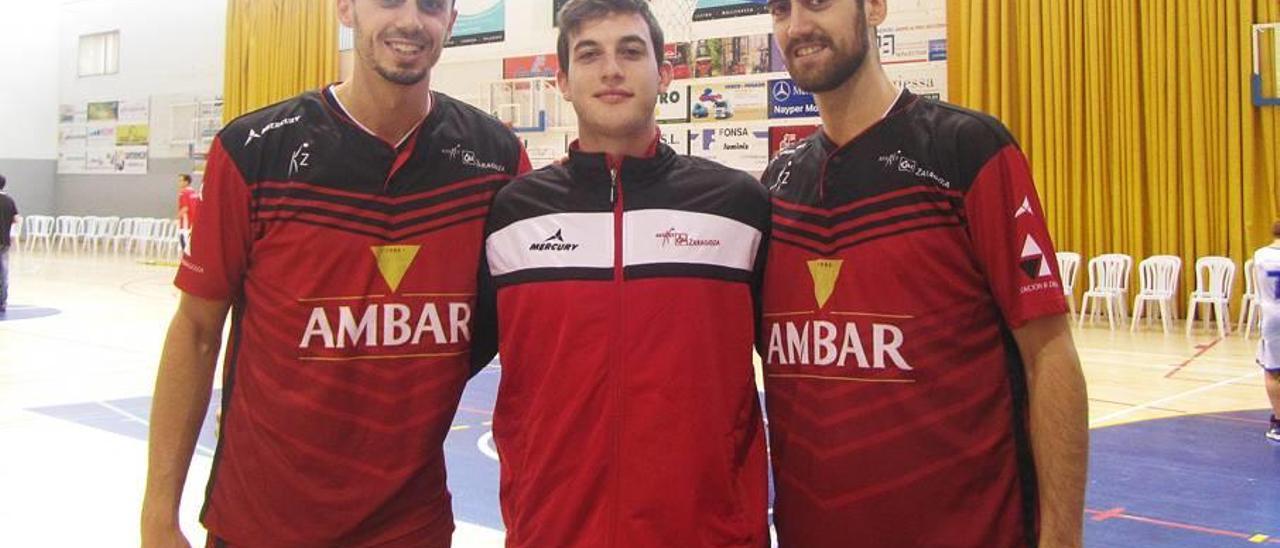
(341, 229)
(626, 282)
(922, 385)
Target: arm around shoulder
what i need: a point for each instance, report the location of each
(183, 385)
(1059, 427)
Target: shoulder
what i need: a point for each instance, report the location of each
(254, 140)
(962, 141)
(974, 133)
(539, 192)
(806, 149)
(533, 183)
(712, 173)
(473, 121)
(249, 128)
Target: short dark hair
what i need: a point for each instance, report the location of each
(186, 177)
(2, 182)
(577, 12)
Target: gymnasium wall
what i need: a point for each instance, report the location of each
(29, 103)
(464, 72)
(170, 53)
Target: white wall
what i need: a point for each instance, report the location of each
(171, 52)
(29, 96)
(166, 47)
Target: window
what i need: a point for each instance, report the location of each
(100, 53)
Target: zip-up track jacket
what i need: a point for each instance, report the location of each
(627, 414)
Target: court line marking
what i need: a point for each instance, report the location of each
(199, 449)
(1166, 399)
(483, 445)
(1119, 513)
(1087, 360)
(128, 415)
(1201, 349)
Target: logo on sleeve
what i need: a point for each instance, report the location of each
(1032, 260)
(1024, 209)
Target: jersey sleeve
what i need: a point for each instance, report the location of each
(1011, 240)
(215, 264)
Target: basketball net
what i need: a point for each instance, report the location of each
(675, 17)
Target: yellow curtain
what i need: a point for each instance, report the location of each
(1136, 116)
(277, 49)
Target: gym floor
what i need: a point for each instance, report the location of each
(1178, 457)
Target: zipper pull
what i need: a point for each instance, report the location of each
(613, 185)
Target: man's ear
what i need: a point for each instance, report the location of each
(665, 75)
(875, 11)
(562, 82)
(346, 13)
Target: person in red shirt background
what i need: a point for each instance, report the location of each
(188, 208)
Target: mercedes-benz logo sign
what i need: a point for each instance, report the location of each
(782, 91)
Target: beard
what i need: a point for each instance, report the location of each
(389, 71)
(844, 65)
(401, 76)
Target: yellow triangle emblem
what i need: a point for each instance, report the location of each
(394, 261)
(825, 272)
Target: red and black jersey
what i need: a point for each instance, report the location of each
(627, 414)
(897, 401)
(351, 265)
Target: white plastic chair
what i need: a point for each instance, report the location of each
(69, 229)
(1107, 286)
(166, 242)
(97, 230)
(1159, 278)
(39, 229)
(1251, 302)
(1126, 271)
(140, 236)
(88, 231)
(122, 234)
(1215, 276)
(1069, 269)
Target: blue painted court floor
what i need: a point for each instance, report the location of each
(1188, 481)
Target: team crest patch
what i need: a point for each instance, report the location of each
(394, 261)
(824, 272)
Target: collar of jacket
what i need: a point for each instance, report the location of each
(594, 166)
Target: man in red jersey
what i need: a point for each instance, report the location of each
(187, 202)
(627, 279)
(341, 229)
(188, 209)
(922, 385)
